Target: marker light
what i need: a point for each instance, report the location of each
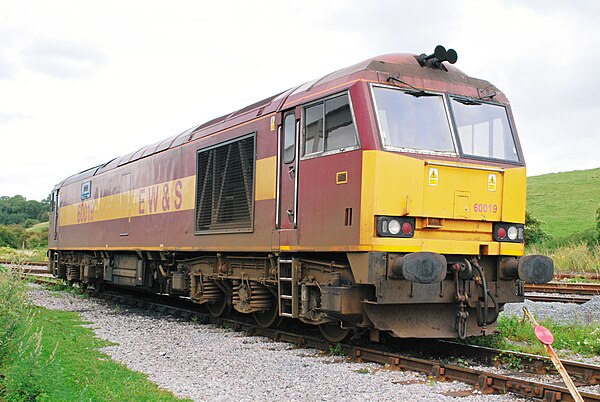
(392, 226)
(501, 232)
(508, 232)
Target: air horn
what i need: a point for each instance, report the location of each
(439, 55)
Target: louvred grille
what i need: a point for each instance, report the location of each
(224, 194)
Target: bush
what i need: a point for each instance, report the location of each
(11, 236)
(598, 223)
(36, 240)
(534, 233)
(27, 223)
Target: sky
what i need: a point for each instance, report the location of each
(82, 82)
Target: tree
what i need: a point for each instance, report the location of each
(18, 210)
(11, 236)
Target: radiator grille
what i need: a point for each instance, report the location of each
(224, 193)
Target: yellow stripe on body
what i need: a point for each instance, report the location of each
(166, 197)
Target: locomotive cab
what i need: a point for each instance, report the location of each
(445, 194)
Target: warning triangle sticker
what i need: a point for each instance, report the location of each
(433, 177)
(492, 182)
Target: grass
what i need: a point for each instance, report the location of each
(336, 350)
(565, 201)
(20, 256)
(518, 335)
(51, 355)
(571, 258)
(571, 338)
(41, 227)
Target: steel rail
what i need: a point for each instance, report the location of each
(565, 288)
(567, 298)
(33, 270)
(24, 263)
(586, 275)
(587, 374)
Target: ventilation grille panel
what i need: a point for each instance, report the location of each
(224, 193)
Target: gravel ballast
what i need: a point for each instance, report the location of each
(203, 362)
(567, 313)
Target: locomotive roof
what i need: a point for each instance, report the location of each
(380, 68)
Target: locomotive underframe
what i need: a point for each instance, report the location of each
(316, 289)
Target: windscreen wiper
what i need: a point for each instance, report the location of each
(466, 101)
(419, 93)
(416, 92)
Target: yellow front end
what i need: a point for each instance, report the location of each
(455, 204)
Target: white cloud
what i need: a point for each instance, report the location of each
(81, 83)
(61, 59)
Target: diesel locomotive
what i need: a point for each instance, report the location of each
(386, 197)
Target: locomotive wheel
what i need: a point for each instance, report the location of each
(333, 332)
(268, 318)
(219, 307)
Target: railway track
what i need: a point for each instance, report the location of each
(393, 356)
(577, 293)
(485, 381)
(592, 289)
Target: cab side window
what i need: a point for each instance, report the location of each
(329, 126)
(289, 138)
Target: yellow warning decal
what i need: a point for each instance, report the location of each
(433, 176)
(272, 123)
(492, 180)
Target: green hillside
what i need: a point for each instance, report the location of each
(39, 228)
(565, 201)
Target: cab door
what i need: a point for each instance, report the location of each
(55, 209)
(287, 172)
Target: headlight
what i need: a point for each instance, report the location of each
(391, 226)
(394, 227)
